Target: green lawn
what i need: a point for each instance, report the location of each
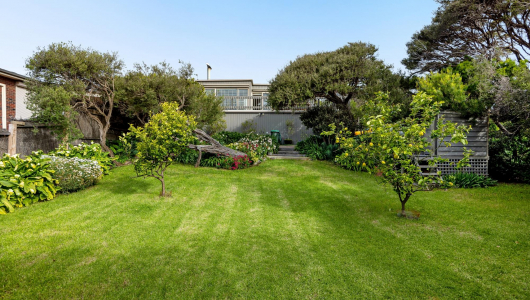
(284, 229)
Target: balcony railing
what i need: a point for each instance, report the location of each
(259, 103)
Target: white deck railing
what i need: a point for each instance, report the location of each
(259, 103)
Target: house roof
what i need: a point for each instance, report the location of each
(217, 81)
(12, 75)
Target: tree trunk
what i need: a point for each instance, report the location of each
(403, 204)
(163, 192)
(103, 139)
(215, 147)
(163, 181)
(198, 159)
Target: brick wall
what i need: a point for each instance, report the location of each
(10, 99)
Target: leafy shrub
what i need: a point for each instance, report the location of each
(316, 148)
(164, 137)
(510, 158)
(319, 117)
(86, 151)
(124, 149)
(227, 162)
(74, 173)
(228, 137)
(24, 182)
(469, 180)
(188, 157)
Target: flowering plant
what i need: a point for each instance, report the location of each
(227, 162)
(74, 173)
(256, 146)
(86, 151)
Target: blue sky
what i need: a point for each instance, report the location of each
(239, 39)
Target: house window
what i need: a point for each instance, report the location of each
(226, 92)
(265, 98)
(209, 91)
(242, 102)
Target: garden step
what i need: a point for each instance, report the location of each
(290, 154)
(287, 152)
(299, 157)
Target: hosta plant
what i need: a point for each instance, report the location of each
(24, 182)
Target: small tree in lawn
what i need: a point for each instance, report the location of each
(392, 148)
(164, 137)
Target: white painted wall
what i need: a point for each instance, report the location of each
(22, 113)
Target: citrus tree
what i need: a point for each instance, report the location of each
(392, 149)
(164, 137)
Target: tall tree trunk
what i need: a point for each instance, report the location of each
(103, 138)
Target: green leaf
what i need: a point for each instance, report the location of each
(8, 205)
(7, 183)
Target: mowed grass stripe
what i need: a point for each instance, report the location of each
(282, 230)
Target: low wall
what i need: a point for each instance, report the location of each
(32, 137)
(265, 121)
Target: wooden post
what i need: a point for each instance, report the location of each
(12, 140)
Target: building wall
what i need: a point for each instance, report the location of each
(477, 137)
(22, 112)
(267, 121)
(10, 98)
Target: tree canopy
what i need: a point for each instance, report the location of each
(65, 80)
(350, 73)
(142, 91)
(463, 28)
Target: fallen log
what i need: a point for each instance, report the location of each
(215, 147)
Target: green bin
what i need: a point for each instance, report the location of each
(275, 134)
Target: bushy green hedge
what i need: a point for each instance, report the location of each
(316, 148)
(469, 180)
(25, 181)
(228, 137)
(74, 173)
(227, 162)
(86, 151)
(124, 149)
(510, 158)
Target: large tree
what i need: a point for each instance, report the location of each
(346, 78)
(142, 91)
(350, 73)
(66, 79)
(463, 28)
